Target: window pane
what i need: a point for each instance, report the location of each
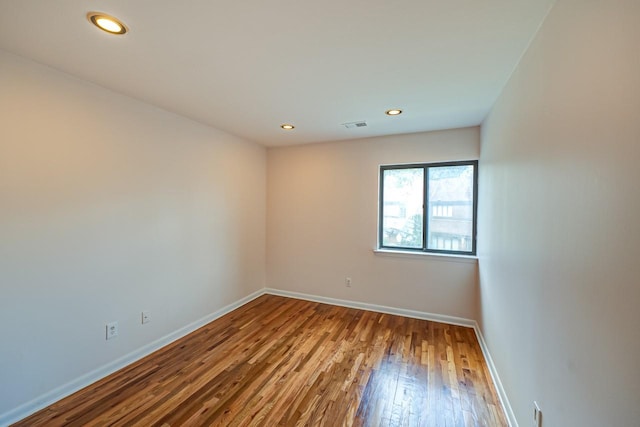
(450, 208)
(403, 192)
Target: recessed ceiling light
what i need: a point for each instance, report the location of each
(107, 23)
(287, 127)
(393, 112)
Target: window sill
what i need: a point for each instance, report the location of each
(467, 259)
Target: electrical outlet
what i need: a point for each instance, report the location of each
(347, 282)
(537, 415)
(112, 330)
(146, 317)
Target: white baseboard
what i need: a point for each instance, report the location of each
(502, 394)
(71, 387)
(418, 315)
(460, 321)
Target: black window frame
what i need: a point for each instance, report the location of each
(425, 204)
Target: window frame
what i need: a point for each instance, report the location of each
(425, 205)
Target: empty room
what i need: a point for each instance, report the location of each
(414, 213)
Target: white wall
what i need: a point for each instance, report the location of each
(322, 211)
(559, 241)
(110, 206)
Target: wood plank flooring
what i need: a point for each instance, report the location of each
(286, 362)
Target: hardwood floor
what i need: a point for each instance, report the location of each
(280, 361)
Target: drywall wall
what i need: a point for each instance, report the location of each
(559, 230)
(109, 207)
(322, 212)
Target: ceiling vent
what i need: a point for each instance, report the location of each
(352, 125)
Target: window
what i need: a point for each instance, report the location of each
(429, 207)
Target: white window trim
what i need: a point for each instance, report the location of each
(466, 259)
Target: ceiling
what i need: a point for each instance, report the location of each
(248, 66)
